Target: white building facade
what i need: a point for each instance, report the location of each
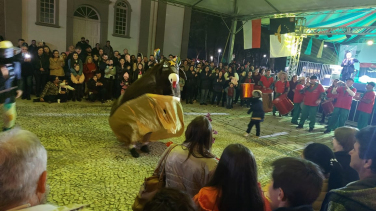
(138, 25)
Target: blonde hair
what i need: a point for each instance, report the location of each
(89, 57)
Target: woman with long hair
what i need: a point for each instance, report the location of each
(189, 166)
(324, 157)
(218, 83)
(47, 51)
(77, 76)
(234, 185)
(56, 64)
(137, 73)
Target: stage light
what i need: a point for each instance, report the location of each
(219, 50)
(348, 36)
(264, 55)
(211, 58)
(369, 42)
(325, 45)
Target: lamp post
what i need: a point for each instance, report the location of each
(211, 58)
(219, 53)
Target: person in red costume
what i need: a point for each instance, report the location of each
(367, 100)
(282, 86)
(298, 99)
(266, 80)
(342, 107)
(313, 92)
(330, 97)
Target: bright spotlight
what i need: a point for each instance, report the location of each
(369, 42)
(219, 50)
(325, 45)
(211, 58)
(264, 55)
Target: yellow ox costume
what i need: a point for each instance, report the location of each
(150, 109)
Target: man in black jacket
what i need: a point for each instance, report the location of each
(27, 71)
(42, 71)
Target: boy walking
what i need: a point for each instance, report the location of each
(257, 113)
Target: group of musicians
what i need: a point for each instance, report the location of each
(309, 95)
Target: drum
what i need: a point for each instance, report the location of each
(283, 104)
(327, 107)
(247, 90)
(267, 98)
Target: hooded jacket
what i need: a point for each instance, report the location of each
(359, 195)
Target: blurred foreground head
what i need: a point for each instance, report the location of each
(23, 164)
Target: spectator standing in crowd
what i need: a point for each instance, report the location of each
(323, 156)
(359, 195)
(125, 83)
(77, 76)
(298, 99)
(190, 85)
(138, 72)
(225, 191)
(104, 63)
(125, 52)
(257, 111)
(97, 90)
(120, 70)
(96, 49)
(96, 61)
(343, 142)
(365, 107)
(170, 199)
(56, 64)
(230, 93)
(20, 42)
(70, 50)
(218, 83)
(189, 166)
(330, 97)
(89, 71)
(109, 77)
(282, 86)
(313, 93)
(205, 85)
(41, 65)
(345, 93)
(107, 49)
(47, 51)
(295, 184)
(27, 71)
(116, 58)
(150, 63)
(33, 48)
(229, 77)
(82, 44)
(101, 53)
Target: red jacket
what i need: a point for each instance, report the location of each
(88, 71)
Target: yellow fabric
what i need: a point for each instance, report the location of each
(9, 115)
(6, 44)
(160, 115)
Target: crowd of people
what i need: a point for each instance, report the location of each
(195, 179)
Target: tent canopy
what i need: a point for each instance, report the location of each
(248, 9)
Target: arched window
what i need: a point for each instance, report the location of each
(86, 12)
(122, 19)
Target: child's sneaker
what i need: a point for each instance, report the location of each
(246, 134)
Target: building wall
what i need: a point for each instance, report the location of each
(131, 43)
(55, 38)
(173, 30)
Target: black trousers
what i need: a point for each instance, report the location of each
(254, 122)
(77, 93)
(217, 95)
(224, 98)
(189, 93)
(41, 81)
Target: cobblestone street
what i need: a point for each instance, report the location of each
(86, 164)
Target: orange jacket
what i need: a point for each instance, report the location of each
(207, 197)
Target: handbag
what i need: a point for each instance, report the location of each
(152, 184)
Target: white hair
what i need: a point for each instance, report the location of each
(22, 161)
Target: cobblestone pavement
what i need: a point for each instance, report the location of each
(86, 164)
